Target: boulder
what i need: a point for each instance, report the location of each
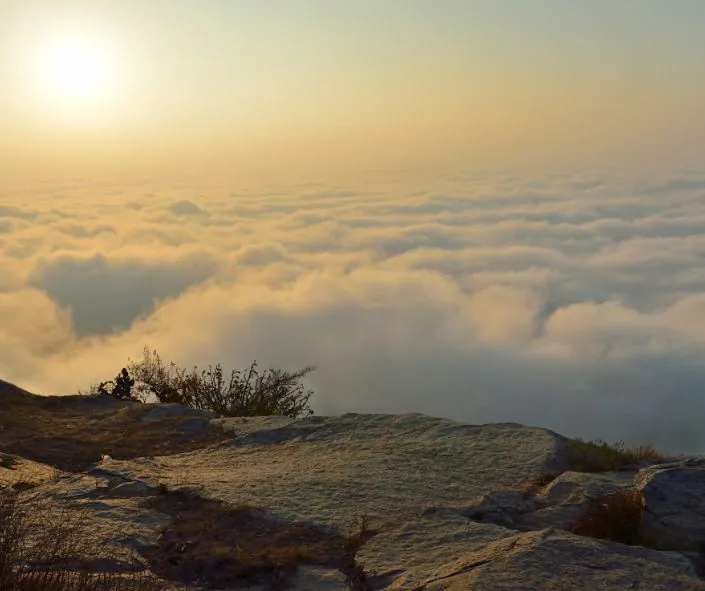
(565, 499)
(674, 504)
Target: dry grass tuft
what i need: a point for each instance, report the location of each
(45, 548)
(601, 456)
(615, 517)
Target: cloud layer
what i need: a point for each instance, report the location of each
(574, 302)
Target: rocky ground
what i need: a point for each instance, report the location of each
(361, 502)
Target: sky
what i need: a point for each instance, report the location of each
(486, 211)
(233, 84)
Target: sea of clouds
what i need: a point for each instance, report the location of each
(570, 301)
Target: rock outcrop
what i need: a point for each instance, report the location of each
(674, 504)
(425, 504)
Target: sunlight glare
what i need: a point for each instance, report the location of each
(76, 71)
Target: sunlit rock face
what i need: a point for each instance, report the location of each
(433, 504)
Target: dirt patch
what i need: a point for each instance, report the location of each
(218, 546)
(72, 432)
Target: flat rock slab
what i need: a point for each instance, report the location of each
(329, 470)
(405, 556)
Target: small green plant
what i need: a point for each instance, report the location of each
(601, 456)
(615, 517)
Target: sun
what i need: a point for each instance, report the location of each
(74, 70)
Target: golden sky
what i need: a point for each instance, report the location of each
(227, 84)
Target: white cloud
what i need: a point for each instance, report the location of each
(186, 207)
(575, 302)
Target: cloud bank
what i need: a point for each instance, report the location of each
(570, 301)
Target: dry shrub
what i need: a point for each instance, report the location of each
(359, 533)
(242, 394)
(43, 548)
(601, 456)
(615, 517)
(646, 453)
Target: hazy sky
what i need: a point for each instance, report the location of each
(483, 210)
(226, 84)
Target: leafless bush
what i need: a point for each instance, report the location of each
(244, 393)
